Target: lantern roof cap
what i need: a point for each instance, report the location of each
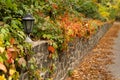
(28, 17)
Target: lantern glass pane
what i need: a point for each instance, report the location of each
(28, 26)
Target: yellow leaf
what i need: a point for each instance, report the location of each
(2, 77)
(12, 71)
(2, 49)
(70, 32)
(1, 40)
(10, 78)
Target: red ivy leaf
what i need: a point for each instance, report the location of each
(10, 60)
(51, 49)
(11, 55)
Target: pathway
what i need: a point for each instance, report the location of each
(115, 68)
(103, 62)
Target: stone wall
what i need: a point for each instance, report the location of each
(69, 59)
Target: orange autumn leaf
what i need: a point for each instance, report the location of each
(54, 6)
(3, 68)
(12, 41)
(12, 52)
(51, 49)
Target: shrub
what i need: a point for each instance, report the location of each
(89, 8)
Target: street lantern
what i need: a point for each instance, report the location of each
(28, 22)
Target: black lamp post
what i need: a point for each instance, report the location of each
(28, 22)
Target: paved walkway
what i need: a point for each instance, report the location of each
(115, 67)
(103, 62)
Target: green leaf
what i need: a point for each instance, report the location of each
(8, 3)
(55, 45)
(32, 66)
(7, 43)
(3, 31)
(20, 47)
(7, 18)
(20, 12)
(14, 6)
(48, 36)
(55, 56)
(1, 59)
(21, 35)
(23, 65)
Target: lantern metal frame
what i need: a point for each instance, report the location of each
(28, 22)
